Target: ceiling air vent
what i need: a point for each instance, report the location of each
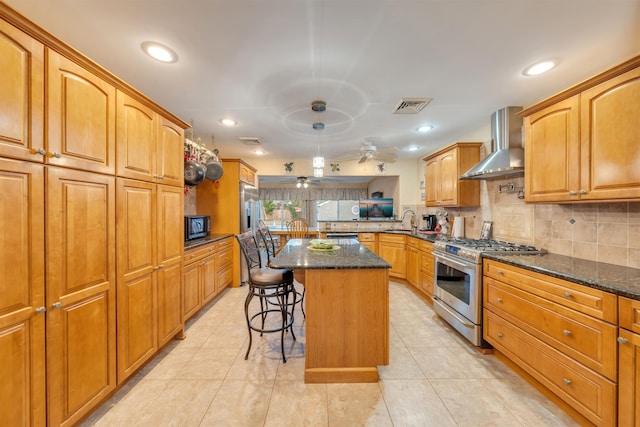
(249, 140)
(411, 105)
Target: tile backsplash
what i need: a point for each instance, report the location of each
(604, 232)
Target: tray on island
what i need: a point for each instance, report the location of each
(335, 247)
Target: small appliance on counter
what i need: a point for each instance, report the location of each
(196, 226)
(430, 222)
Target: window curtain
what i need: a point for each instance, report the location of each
(312, 193)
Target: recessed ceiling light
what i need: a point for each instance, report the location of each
(259, 152)
(425, 128)
(159, 52)
(412, 148)
(539, 68)
(228, 122)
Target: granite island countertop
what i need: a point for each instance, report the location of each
(350, 255)
(623, 281)
(190, 244)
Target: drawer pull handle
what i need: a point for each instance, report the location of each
(572, 193)
(41, 310)
(566, 332)
(57, 305)
(567, 294)
(622, 340)
(566, 381)
(500, 273)
(499, 299)
(499, 335)
(582, 192)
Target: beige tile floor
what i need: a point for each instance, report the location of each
(434, 378)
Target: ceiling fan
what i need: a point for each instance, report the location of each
(369, 151)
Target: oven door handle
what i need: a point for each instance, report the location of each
(444, 306)
(454, 263)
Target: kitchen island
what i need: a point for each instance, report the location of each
(347, 308)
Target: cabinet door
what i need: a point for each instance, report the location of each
(21, 95)
(628, 379)
(396, 256)
(22, 350)
(208, 279)
(170, 232)
(136, 135)
(610, 139)
(413, 266)
(448, 195)
(170, 152)
(432, 180)
(552, 161)
(191, 296)
(80, 292)
(81, 112)
(137, 323)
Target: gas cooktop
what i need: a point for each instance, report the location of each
(472, 249)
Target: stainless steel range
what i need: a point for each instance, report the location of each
(457, 294)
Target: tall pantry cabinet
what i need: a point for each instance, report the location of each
(58, 222)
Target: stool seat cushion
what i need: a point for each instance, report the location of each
(266, 276)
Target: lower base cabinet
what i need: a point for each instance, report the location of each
(208, 270)
(629, 363)
(560, 333)
(392, 248)
(426, 268)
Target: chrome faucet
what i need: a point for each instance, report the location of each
(414, 227)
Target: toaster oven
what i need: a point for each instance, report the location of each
(196, 226)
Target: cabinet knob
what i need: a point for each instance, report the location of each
(566, 381)
(622, 340)
(156, 268)
(40, 151)
(57, 305)
(566, 332)
(193, 255)
(499, 335)
(499, 299)
(572, 193)
(41, 310)
(567, 294)
(582, 192)
(500, 273)
(56, 155)
(161, 266)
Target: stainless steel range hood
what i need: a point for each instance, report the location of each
(507, 157)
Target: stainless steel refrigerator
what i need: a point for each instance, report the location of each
(250, 214)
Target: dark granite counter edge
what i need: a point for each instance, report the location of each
(205, 240)
(629, 290)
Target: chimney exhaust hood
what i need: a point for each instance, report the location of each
(507, 157)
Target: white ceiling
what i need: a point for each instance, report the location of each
(263, 62)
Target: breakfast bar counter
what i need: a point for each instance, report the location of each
(347, 308)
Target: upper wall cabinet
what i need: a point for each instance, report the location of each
(81, 111)
(21, 95)
(150, 147)
(442, 176)
(582, 145)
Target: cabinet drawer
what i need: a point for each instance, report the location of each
(589, 341)
(392, 238)
(224, 257)
(225, 277)
(198, 253)
(366, 237)
(589, 393)
(594, 302)
(412, 242)
(427, 263)
(629, 312)
(425, 246)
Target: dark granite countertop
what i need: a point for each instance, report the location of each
(420, 234)
(612, 278)
(205, 240)
(349, 255)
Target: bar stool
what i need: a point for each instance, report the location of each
(271, 250)
(272, 287)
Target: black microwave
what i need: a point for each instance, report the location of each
(196, 226)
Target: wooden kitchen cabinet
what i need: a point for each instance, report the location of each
(560, 333)
(224, 264)
(22, 286)
(413, 262)
(426, 268)
(22, 94)
(149, 146)
(150, 241)
(81, 117)
(582, 144)
(247, 174)
(80, 289)
(629, 362)
(369, 241)
(392, 248)
(442, 176)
